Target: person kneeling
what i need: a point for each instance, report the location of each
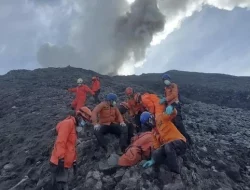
(168, 141)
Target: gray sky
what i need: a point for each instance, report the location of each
(111, 36)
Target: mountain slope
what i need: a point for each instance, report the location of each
(33, 102)
(223, 90)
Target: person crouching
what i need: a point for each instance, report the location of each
(168, 141)
(63, 156)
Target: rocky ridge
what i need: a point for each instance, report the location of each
(33, 102)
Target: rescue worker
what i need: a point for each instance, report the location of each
(168, 141)
(132, 128)
(81, 92)
(141, 148)
(172, 98)
(64, 153)
(96, 88)
(135, 108)
(150, 102)
(104, 118)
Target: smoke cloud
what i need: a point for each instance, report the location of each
(105, 34)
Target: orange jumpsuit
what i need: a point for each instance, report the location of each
(95, 85)
(139, 149)
(106, 114)
(165, 130)
(81, 93)
(65, 144)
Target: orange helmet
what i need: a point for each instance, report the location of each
(84, 112)
(125, 105)
(137, 97)
(129, 91)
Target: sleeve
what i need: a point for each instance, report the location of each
(174, 93)
(118, 115)
(148, 104)
(61, 140)
(95, 112)
(72, 89)
(89, 90)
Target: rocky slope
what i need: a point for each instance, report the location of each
(32, 102)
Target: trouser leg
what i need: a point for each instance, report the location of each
(178, 122)
(172, 150)
(122, 133)
(159, 156)
(96, 96)
(130, 132)
(100, 136)
(59, 181)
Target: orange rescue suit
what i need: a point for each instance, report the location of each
(151, 102)
(171, 93)
(140, 149)
(165, 131)
(65, 144)
(81, 93)
(95, 85)
(106, 114)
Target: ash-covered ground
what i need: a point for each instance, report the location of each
(216, 114)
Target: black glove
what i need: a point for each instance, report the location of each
(75, 168)
(60, 165)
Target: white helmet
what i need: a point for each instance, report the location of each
(79, 81)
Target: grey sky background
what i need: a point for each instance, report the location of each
(111, 36)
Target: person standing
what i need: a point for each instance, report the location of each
(172, 98)
(96, 88)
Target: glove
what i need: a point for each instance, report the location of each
(162, 101)
(148, 163)
(75, 168)
(123, 124)
(60, 165)
(169, 110)
(97, 127)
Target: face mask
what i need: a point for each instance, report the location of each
(79, 129)
(113, 103)
(150, 124)
(167, 82)
(151, 121)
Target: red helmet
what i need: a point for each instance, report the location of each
(137, 97)
(84, 112)
(129, 91)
